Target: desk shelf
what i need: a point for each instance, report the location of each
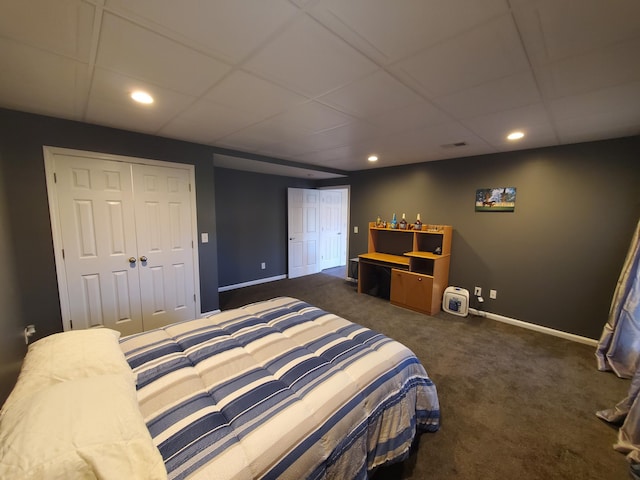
(402, 265)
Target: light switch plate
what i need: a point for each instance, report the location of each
(204, 237)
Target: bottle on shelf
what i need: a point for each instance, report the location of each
(394, 222)
(378, 221)
(403, 223)
(418, 224)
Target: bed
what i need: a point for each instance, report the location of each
(275, 389)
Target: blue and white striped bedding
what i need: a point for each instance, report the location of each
(279, 389)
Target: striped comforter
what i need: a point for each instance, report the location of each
(279, 389)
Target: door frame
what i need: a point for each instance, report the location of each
(346, 216)
(56, 230)
(316, 265)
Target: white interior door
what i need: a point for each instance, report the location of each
(123, 239)
(163, 210)
(303, 219)
(332, 229)
(96, 214)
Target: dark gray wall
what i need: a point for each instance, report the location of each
(251, 219)
(556, 259)
(11, 326)
(25, 224)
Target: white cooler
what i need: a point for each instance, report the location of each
(456, 301)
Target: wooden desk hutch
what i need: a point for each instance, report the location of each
(401, 265)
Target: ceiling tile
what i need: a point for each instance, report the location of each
(309, 117)
(240, 146)
(287, 150)
(243, 91)
(181, 129)
(553, 30)
(532, 120)
(41, 82)
(440, 136)
(601, 114)
(349, 134)
(504, 93)
(263, 133)
(228, 28)
(600, 68)
(389, 33)
(415, 116)
(137, 52)
(372, 95)
(486, 53)
(331, 80)
(59, 26)
(210, 120)
(109, 103)
(331, 156)
(309, 60)
(427, 144)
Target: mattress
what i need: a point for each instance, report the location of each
(279, 389)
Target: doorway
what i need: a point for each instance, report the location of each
(318, 222)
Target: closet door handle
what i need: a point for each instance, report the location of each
(143, 258)
(132, 260)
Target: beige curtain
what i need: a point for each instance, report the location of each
(627, 415)
(619, 350)
(619, 345)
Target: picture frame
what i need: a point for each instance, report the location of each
(496, 199)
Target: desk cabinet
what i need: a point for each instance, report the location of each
(412, 290)
(417, 262)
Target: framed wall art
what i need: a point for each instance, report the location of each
(502, 199)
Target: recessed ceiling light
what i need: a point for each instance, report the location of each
(515, 136)
(373, 158)
(142, 97)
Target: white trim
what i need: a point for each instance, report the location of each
(49, 166)
(253, 282)
(533, 326)
(208, 314)
(56, 231)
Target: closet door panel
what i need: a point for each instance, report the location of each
(97, 225)
(165, 244)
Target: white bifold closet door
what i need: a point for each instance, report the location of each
(127, 243)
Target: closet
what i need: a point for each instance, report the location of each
(124, 233)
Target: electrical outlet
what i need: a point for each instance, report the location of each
(263, 265)
(355, 229)
(477, 291)
(493, 294)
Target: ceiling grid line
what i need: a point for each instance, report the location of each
(533, 70)
(93, 51)
(325, 82)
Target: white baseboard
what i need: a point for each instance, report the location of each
(208, 314)
(253, 282)
(533, 326)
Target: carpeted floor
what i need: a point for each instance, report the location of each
(516, 404)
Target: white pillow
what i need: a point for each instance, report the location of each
(68, 356)
(81, 429)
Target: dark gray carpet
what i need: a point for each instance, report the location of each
(516, 404)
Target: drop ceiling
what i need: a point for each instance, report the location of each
(326, 83)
